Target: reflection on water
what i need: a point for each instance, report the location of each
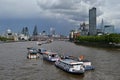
(15, 66)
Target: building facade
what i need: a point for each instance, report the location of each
(108, 29)
(84, 29)
(92, 21)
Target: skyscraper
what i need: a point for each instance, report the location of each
(92, 21)
(52, 31)
(102, 26)
(108, 29)
(35, 32)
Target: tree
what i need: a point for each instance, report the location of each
(35, 32)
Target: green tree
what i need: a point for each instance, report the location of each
(113, 38)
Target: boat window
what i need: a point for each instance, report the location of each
(39, 50)
(44, 50)
(71, 66)
(52, 55)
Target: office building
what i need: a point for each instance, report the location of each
(52, 31)
(92, 21)
(84, 29)
(108, 29)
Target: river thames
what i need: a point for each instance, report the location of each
(15, 66)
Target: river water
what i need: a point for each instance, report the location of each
(15, 66)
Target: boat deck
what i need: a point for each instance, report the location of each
(70, 61)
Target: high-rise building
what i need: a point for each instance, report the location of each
(84, 29)
(92, 21)
(52, 31)
(108, 29)
(102, 26)
(35, 32)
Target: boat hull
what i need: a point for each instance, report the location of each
(51, 60)
(89, 68)
(66, 70)
(32, 56)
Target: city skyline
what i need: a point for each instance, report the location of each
(61, 15)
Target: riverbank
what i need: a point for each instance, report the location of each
(1, 42)
(96, 44)
(111, 40)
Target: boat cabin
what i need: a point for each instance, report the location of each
(50, 56)
(32, 54)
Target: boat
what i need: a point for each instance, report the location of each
(86, 63)
(41, 50)
(71, 66)
(49, 40)
(50, 56)
(39, 43)
(32, 53)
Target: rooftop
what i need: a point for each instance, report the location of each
(70, 61)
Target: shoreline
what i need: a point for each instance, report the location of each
(96, 44)
(1, 42)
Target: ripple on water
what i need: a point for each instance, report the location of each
(15, 66)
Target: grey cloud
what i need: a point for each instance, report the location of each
(18, 9)
(71, 10)
(57, 4)
(76, 10)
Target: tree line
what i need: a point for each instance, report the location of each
(5, 39)
(111, 38)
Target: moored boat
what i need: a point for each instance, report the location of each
(50, 56)
(86, 63)
(32, 54)
(70, 65)
(39, 43)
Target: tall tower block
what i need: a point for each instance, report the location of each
(92, 21)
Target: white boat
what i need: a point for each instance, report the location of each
(39, 43)
(71, 66)
(32, 54)
(50, 56)
(86, 63)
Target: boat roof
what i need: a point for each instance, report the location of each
(31, 48)
(32, 51)
(71, 61)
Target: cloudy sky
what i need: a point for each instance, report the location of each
(63, 15)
